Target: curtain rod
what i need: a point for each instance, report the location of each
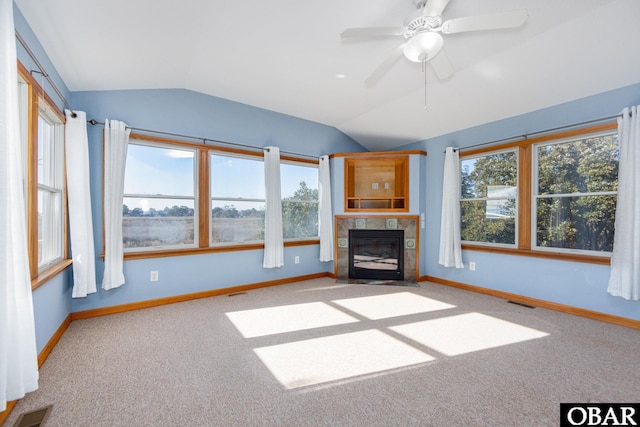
(527, 135)
(44, 73)
(204, 140)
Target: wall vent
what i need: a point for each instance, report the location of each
(35, 418)
(236, 294)
(522, 304)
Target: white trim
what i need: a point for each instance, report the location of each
(490, 244)
(570, 251)
(194, 198)
(236, 199)
(51, 145)
(535, 196)
(486, 198)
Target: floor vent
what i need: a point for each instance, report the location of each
(34, 418)
(236, 293)
(519, 303)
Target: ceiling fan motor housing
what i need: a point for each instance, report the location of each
(421, 23)
(423, 46)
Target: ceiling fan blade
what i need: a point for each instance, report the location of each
(441, 65)
(372, 32)
(494, 21)
(385, 66)
(434, 7)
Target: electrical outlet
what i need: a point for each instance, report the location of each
(472, 266)
(374, 186)
(153, 277)
(296, 259)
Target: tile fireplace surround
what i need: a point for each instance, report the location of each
(345, 223)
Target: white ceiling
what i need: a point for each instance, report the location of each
(284, 55)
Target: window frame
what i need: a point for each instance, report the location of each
(56, 183)
(526, 227)
(135, 140)
(487, 198)
(535, 196)
(232, 155)
(204, 200)
(33, 97)
(317, 202)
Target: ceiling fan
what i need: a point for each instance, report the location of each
(423, 35)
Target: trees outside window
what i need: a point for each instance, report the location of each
(554, 194)
(238, 199)
(489, 192)
(576, 192)
(299, 204)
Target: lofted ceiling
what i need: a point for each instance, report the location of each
(287, 56)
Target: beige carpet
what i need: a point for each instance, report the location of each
(318, 353)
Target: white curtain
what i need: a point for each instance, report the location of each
(450, 248)
(273, 240)
(325, 216)
(18, 354)
(116, 140)
(624, 280)
(79, 196)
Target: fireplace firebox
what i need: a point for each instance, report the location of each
(376, 254)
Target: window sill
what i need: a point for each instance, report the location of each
(591, 259)
(212, 249)
(49, 273)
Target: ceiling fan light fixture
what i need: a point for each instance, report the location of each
(423, 46)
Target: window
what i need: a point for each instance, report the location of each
(183, 197)
(489, 195)
(159, 206)
(551, 196)
(42, 142)
(237, 198)
(299, 184)
(50, 172)
(575, 193)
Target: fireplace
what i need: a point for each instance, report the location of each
(410, 249)
(376, 254)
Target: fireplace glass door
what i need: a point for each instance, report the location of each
(376, 254)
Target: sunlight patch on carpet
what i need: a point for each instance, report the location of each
(287, 318)
(392, 305)
(325, 288)
(466, 333)
(337, 357)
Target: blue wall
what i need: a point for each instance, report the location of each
(191, 113)
(195, 114)
(183, 112)
(52, 300)
(34, 44)
(572, 283)
(52, 305)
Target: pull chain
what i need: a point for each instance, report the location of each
(424, 71)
